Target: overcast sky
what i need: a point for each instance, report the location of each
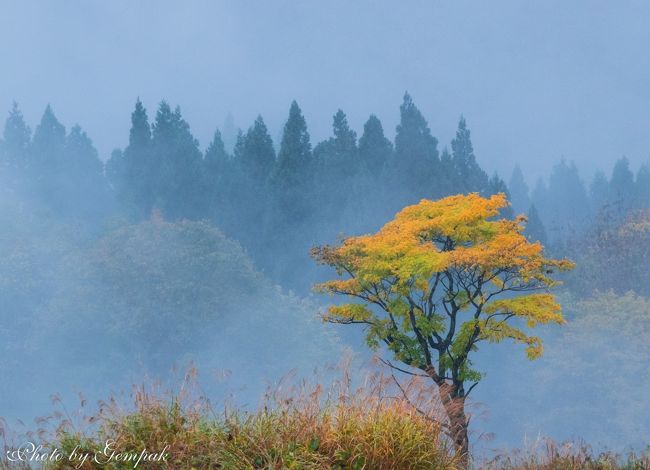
(536, 80)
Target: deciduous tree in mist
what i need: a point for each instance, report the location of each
(436, 281)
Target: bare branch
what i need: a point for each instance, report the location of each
(391, 365)
(415, 407)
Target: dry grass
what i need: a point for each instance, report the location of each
(298, 426)
(546, 454)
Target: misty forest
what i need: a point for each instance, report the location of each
(373, 294)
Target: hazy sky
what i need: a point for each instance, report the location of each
(536, 80)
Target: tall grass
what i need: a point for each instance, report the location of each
(546, 454)
(297, 426)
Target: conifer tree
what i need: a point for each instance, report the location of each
(642, 188)
(375, 150)
(215, 162)
(49, 142)
(114, 171)
(46, 157)
(132, 172)
(67, 174)
(291, 178)
(292, 203)
(447, 180)
(219, 183)
(238, 148)
(371, 189)
(469, 176)
(248, 188)
(535, 231)
(256, 154)
(538, 198)
(519, 191)
(81, 156)
(599, 192)
(15, 140)
(140, 132)
(84, 188)
(495, 186)
(177, 162)
(621, 185)
(416, 159)
(567, 204)
(337, 161)
(344, 143)
(294, 157)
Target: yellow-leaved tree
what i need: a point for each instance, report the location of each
(436, 281)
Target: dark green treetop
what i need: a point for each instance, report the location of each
(374, 148)
(469, 177)
(416, 151)
(535, 231)
(256, 154)
(519, 190)
(16, 138)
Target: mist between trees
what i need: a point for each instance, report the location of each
(168, 253)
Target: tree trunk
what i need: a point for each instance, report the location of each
(458, 422)
(459, 433)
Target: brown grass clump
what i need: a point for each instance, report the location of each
(380, 425)
(299, 426)
(546, 454)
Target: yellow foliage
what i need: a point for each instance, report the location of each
(443, 275)
(535, 308)
(347, 313)
(433, 236)
(496, 331)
